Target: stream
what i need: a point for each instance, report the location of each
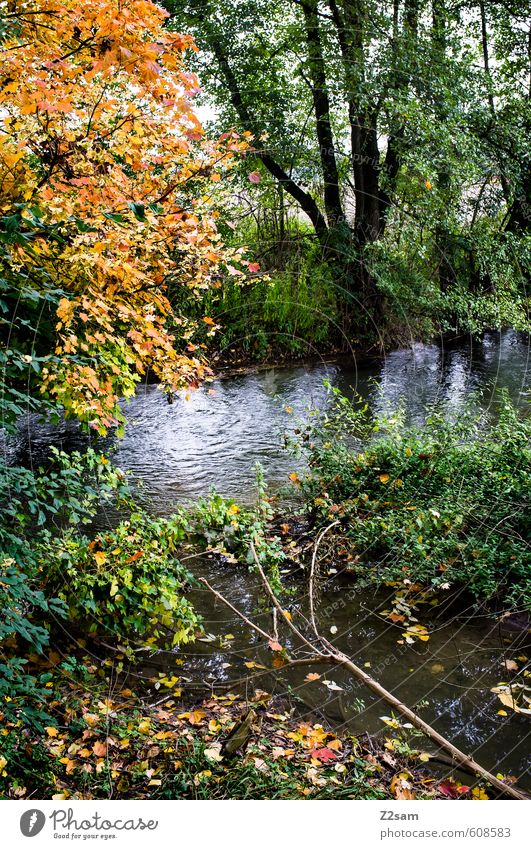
(213, 437)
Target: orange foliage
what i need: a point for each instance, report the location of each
(100, 147)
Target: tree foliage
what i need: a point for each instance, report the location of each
(105, 175)
(401, 125)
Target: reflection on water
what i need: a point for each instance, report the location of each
(214, 436)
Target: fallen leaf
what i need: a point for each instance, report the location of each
(326, 754)
(401, 786)
(479, 793)
(396, 617)
(312, 676)
(332, 685)
(196, 716)
(213, 753)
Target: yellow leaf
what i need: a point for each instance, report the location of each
(384, 478)
(196, 716)
(144, 726)
(51, 731)
(479, 793)
(424, 757)
(100, 557)
(502, 713)
(507, 700)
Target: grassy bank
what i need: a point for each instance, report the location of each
(444, 505)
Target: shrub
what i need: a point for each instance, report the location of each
(445, 503)
(125, 582)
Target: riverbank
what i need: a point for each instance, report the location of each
(132, 580)
(107, 742)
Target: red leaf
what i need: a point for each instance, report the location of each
(255, 177)
(449, 789)
(254, 267)
(324, 755)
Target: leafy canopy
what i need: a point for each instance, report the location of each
(105, 175)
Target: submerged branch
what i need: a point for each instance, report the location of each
(327, 652)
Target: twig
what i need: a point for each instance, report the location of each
(235, 610)
(312, 574)
(275, 600)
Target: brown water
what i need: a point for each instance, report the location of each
(448, 678)
(213, 439)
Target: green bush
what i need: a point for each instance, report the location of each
(125, 582)
(445, 504)
(290, 307)
(67, 491)
(229, 529)
(23, 695)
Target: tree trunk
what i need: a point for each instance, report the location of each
(321, 104)
(305, 200)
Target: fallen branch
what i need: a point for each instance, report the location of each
(327, 653)
(332, 654)
(236, 611)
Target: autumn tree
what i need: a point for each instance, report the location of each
(105, 193)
